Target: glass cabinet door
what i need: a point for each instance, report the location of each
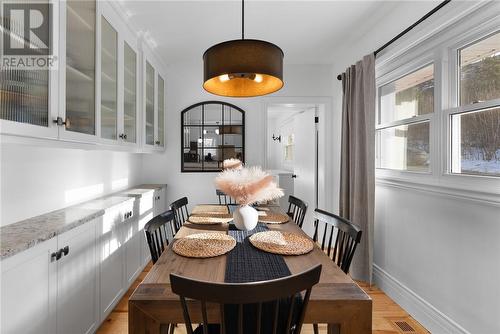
(109, 80)
(150, 104)
(24, 92)
(24, 96)
(161, 112)
(80, 66)
(129, 94)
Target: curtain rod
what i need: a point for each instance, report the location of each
(404, 32)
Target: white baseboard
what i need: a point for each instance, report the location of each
(431, 318)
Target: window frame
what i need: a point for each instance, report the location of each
(454, 107)
(442, 45)
(202, 126)
(422, 61)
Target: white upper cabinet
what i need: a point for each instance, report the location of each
(154, 102)
(109, 80)
(78, 74)
(119, 80)
(28, 96)
(130, 84)
(104, 91)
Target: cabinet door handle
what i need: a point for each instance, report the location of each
(60, 122)
(65, 250)
(56, 255)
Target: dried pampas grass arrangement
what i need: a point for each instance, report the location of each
(248, 185)
(232, 164)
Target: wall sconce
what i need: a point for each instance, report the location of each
(277, 138)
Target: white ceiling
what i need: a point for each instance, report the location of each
(309, 32)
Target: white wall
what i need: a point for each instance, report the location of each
(283, 126)
(184, 88)
(438, 256)
(36, 180)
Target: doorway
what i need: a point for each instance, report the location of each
(293, 153)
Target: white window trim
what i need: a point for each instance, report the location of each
(441, 49)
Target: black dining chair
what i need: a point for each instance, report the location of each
(280, 294)
(297, 209)
(158, 232)
(338, 238)
(224, 199)
(180, 211)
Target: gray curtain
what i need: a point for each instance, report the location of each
(357, 173)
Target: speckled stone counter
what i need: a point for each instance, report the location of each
(105, 203)
(150, 186)
(136, 192)
(17, 237)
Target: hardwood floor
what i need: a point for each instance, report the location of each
(386, 315)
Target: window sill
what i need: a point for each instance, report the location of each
(453, 186)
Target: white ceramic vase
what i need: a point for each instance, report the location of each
(245, 218)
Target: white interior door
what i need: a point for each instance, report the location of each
(304, 163)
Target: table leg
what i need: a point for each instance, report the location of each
(140, 322)
(333, 329)
(359, 322)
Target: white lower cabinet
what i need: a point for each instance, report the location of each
(70, 283)
(111, 259)
(28, 291)
(132, 242)
(160, 205)
(77, 281)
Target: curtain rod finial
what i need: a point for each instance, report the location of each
(339, 77)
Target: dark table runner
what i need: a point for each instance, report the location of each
(245, 263)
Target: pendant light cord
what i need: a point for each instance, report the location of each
(242, 19)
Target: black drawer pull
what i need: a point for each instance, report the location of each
(56, 255)
(65, 250)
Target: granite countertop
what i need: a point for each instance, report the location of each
(136, 192)
(105, 203)
(20, 236)
(150, 186)
(17, 237)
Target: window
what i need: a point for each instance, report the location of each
(403, 136)
(211, 132)
(475, 125)
(405, 147)
(438, 108)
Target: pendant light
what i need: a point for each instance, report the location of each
(243, 67)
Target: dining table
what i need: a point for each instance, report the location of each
(336, 300)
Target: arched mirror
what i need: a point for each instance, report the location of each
(211, 131)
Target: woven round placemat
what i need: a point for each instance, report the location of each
(284, 243)
(210, 209)
(203, 245)
(209, 219)
(270, 217)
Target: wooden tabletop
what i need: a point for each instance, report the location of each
(336, 299)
